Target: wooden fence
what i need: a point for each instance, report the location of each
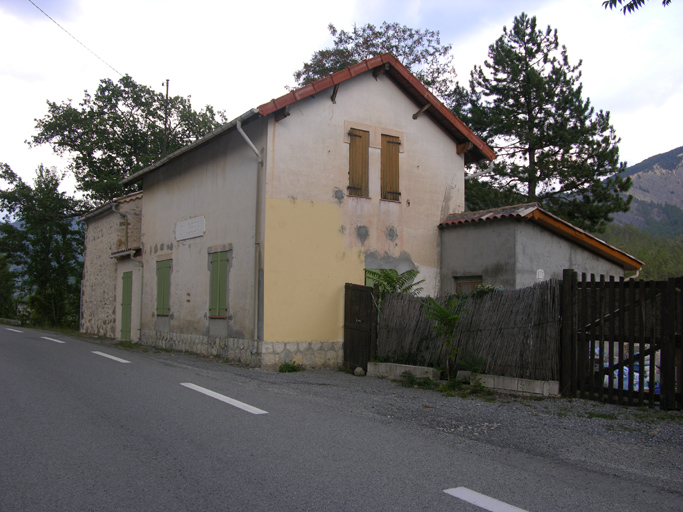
(621, 340)
(515, 333)
(612, 341)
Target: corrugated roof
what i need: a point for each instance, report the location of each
(532, 212)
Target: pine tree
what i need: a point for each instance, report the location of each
(552, 146)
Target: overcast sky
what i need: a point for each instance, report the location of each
(238, 55)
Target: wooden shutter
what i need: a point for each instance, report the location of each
(163, 287)
(390, 152)
(359, 157)
(218, 293)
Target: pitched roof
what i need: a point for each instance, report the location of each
(532, 212)
(474, 148)
(409, 84)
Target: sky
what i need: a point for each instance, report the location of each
(238, 55)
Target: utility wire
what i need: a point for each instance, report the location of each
(74, 38)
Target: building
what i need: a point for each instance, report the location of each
(240, 243)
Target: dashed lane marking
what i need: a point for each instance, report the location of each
(481, 500)
(52, 339)
(13, 330)
(223, 398)
(113, 358)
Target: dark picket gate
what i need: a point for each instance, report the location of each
(360, 326)
(622, 340)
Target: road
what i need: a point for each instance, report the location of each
(88, 426)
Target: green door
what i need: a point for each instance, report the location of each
(126, 304)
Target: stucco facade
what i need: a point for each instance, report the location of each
(249, 235)
(519, 246)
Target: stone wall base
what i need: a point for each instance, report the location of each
(310, 354)
(269, 355)
(246, 352)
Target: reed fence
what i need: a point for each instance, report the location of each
(514, 333)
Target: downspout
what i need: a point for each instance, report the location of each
(257, 231)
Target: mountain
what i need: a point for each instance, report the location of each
(657, 192)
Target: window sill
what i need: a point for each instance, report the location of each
(391, 200)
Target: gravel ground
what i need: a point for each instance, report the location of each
(638, 443)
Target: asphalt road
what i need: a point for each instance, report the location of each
(81, 431)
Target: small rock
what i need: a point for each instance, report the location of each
(359, 372)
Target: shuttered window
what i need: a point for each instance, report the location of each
(359, 157)
(218, 293)
(163, 287)
(390, 151)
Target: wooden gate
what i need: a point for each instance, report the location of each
(360, 326)
(622, 340)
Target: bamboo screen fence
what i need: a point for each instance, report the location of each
(516, 332)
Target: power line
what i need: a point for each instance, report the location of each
(74, 38)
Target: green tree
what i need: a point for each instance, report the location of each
(630, 6)
(418, 50)
(7, 289)
(122, 129)
(553, 147)
(40, 237)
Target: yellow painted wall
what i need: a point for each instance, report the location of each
(305, 270)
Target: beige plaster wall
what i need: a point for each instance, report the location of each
(318, 238)
(217, 182)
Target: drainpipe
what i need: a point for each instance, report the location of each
(257, 230)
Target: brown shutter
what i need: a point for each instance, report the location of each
(359, 154)
(390, 152)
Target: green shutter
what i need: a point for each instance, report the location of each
(218, 292)
(126, 304)
(163, 287)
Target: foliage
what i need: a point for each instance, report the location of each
(8, 308)
(472, 363)
(389, 280)
(526, 102)
(418, 50)
(409, 380)
(630, 6)
(41, 239)
(290, 368)
(663, 257)
(119, 131)
(446, 319)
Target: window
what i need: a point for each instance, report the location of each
(390, 151)
(218, 292)
(163, 287)
(467, 284)
(359, 158)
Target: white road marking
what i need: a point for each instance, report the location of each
(13, 330)
(481, 500)
(223, 398)
(113, 358)
(52, 339)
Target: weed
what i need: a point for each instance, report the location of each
(289, 367)
(602, 415)
(126, 344)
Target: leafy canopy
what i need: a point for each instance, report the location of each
(121, 129)
(553, 147)
(630, 6)
(418, 50)
(40, 237)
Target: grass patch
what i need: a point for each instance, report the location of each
(408, 380)
(289, 367)
(602, 415)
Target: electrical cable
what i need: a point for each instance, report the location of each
(74, 38)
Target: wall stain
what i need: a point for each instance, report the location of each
(362, 233)
(342, 229)
(338, 194)
(156, 248)
(292, 199)
(391, 233)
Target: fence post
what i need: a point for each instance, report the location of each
(568, 337)
(668, 354)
